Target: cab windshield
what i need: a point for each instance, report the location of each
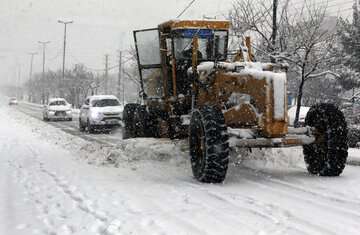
(212, 44)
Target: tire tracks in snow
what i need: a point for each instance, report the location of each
(105, 224)
(46, 214)
(350, 203)
(282, 219)
(51, 211)
(347, 215)
(273, 179)
(82, 202)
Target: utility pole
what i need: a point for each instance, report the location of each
(32, 54)
(123, 89)
(97, 82)
(274, 29)
(18, 82)
(119, 77)
(64, 50)
(106, 74)
(43, 70)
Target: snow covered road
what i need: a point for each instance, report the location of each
(72, 127)
(51, 184)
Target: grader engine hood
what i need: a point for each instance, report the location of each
(252, 94)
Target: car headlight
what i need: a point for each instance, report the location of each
(51, 112)
(96, 115)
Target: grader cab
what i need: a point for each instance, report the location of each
(191, 90)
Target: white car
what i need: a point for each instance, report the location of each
(13, 101)
(100, 112)
(57, 109)
(292, 112)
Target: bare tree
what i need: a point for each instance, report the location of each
(75, 87)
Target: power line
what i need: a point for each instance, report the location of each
(98, 69)
(337, 4)
(56, 56)
(186, 8)
(340, 11)
(325, 2)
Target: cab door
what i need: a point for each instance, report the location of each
(147, 46)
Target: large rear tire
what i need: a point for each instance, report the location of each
(209, 147)
(327, 155)
(81, 126)
(129, 130)
(141, 117)
(147, 124)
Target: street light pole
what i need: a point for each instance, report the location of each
(64, 49)
(43, 70)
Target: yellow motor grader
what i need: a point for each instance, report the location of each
(191, 90)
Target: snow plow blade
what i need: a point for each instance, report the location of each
(246, 138)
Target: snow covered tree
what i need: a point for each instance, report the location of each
(302, 40)
(349, 35)
(348, 52)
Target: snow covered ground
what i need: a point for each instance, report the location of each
(53, 182)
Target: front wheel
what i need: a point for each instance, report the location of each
(327, 155)
(209, 147)
(129, 129)
(90, 128)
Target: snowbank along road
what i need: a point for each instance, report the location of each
(54, 182)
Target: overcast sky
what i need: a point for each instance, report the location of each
(100, 27)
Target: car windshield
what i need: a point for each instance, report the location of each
(58, 103)
(105, 103)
